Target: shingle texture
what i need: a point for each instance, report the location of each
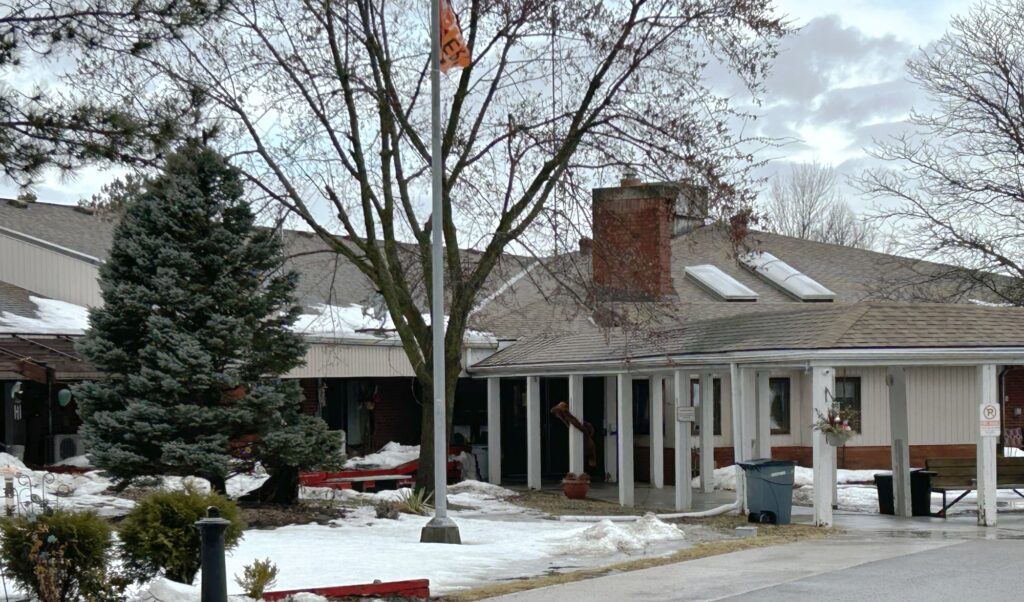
(870, 325)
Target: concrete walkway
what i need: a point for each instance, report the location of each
(877, 558)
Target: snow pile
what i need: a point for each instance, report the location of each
(9, 461)
(607, 537)
(54, 317)
(485, 498)
(481, 489)
(725, 478)
(165, 590)
(390, 456)
(240, 484)
(76, 461)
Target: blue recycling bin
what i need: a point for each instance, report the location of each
(769, 490)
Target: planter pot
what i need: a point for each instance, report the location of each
(575, 490)
(836, 440)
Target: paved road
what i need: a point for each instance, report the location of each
(856, 569)
(971, 570)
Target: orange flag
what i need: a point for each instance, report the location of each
(454, 52)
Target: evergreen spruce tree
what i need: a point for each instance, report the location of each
(192, 334)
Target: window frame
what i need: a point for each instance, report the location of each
(786, 425)
(857, 424)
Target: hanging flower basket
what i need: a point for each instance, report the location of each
(575, 487)
(837, 439)
(836, 425)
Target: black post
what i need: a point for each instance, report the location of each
(211, 531)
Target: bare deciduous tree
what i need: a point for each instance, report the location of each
(956, 187)
(806, 204)
(324, 105)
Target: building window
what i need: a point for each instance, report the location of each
(847, 395)
(716, 393)
(780, 405)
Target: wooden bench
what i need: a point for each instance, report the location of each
(960, 474)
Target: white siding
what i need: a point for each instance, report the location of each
(48, 272)
(942, 407)
(324, 360)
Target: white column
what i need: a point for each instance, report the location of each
(763, 439)
(625, 424)
(611, 415)
(494, 430)
(740, 442)
(576, 463)
(822, 386)
(707, 432)
(987, 394)
(657, 434)
(681, 396)
(533, 432)
(899, 427)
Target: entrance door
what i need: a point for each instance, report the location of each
(554, 436)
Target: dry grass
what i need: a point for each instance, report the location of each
(768, 535)
(556, 504)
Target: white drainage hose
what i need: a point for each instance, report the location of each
(724, 509)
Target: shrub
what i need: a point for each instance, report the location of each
(416, 502)
(160, 533)
(257, 578)
(60, 556)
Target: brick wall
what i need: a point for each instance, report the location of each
(310, 400)
(1014, 396)
(632, 236)
(396, 416)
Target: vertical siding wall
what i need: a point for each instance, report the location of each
(49, 273)
(942, 407)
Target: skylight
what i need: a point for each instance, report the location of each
(786, 277)
(720, 283)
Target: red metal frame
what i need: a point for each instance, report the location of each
(320, 479)
(414, 588)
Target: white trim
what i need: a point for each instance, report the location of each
(796, 359)
(45, 244)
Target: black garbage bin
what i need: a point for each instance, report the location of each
(769, 490)
(886, 504)
(921, 492)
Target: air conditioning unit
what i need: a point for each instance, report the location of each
(67, 446)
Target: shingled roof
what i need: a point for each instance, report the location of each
(547, 300)
(873, 325)
(324, 276)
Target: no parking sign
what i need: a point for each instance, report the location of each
(990, 423)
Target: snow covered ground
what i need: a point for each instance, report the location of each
(500, 541)
(85, 491)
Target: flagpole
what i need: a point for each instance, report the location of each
(440, 529)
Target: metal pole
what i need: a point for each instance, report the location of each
(440, 529)
(211, 557)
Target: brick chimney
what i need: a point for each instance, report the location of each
(633, 228)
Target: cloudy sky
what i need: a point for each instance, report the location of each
(838, 83)
(841, 81)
